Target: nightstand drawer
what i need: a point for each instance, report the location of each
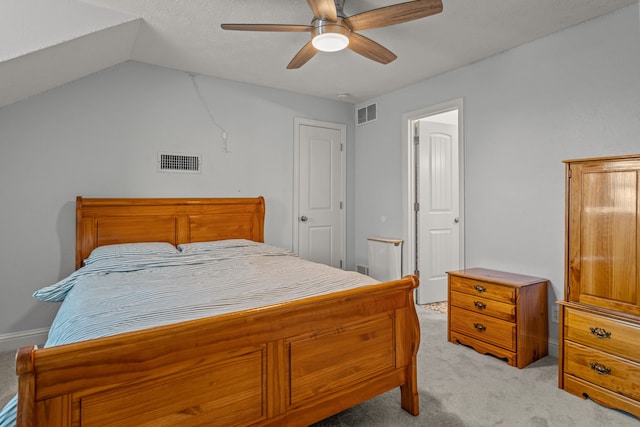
(488, 329)
(603, 333)
(613, 373)
(483, 289)
(485, 306)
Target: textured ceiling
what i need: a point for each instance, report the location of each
(186, 35)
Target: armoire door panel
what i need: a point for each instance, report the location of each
(604, 231)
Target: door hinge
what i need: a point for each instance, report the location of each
(341, 147)
(417, 273)
(340, 204)
(569, 173)
(416, 206)
(416, 140)
(340, 263)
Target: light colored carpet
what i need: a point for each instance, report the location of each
(458, 388)
(8, 379)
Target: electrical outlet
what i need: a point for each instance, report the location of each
(554, 314)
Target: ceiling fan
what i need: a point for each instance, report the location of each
(331, 30)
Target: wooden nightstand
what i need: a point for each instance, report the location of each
(498, 313)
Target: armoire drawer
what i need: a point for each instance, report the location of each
(485, 328)
(605, 370)
(604, 333)
(484, 306)
(484, 289)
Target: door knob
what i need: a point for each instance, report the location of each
(456, 220)
(303, 218)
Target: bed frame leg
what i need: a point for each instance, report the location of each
(26, 387)
(410, 400)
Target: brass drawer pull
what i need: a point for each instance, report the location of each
(480, 305)
(600, 369)
(479, 327)
(600, 333)
(479, 288)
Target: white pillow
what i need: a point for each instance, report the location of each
(125, 249)
(196, 247)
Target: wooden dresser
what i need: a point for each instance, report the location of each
(498, 313)
(599, 336)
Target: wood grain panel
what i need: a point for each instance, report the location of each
(607, 334)
(203, 228)
(485, 328)
(55, 411)
(486, 289)
(483, 347)
(322, 364)
(603, 240)
(137, 229)
(532, 324)
(609, 235)
(224, 394)
(482, 305)
(613, 373)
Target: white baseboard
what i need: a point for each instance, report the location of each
(553, 348)
(15, 340)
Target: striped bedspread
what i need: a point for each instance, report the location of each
(124, 294)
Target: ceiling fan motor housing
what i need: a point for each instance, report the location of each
(322, 26)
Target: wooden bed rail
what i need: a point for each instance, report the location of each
(290, 364)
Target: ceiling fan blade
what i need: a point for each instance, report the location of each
(303, 56)
(324, 9)
(268, 27)
(394, 14)
(370, 49)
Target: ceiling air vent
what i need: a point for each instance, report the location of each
(367, 114)
(183, 163)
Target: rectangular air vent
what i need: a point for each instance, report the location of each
(183, 163)
(367, 114)
(362, 269)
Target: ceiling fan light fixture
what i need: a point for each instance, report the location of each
(330, 36)
(330, 42)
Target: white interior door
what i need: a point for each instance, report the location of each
(438, 217)
(319, 234)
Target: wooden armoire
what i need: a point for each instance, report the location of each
(599, 342)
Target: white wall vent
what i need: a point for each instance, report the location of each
(362, 269)
(367, 114)
(182, 163)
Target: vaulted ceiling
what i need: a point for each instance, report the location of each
(46, 43)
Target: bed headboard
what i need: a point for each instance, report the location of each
(179, 220)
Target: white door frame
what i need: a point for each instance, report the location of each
(343, 179)
(409, 184)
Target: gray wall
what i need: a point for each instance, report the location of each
(572, 94)
(99, 137)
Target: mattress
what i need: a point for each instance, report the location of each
(127, 293)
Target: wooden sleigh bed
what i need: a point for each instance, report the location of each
(293, 363)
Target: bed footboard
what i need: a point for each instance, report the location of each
(290, 364)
